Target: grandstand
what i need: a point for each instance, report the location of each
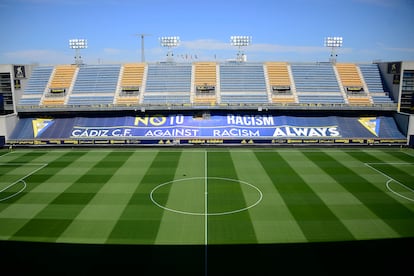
(111, 206)
(215, 85)
(208, 102)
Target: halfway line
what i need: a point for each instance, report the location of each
(205, 199)
(205, 215)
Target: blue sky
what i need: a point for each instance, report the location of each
(37, 31)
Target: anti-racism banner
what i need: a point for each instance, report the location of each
(229, 126)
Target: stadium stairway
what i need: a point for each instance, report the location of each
(205, 82)
(61, 83)
(131, 78)
(280, 85)
(352, 84)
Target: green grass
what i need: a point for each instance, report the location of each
(206, 196)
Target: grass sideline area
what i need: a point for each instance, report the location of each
(207, 204)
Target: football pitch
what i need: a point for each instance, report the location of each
(206, 196)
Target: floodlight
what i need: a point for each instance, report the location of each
(169, 42)
(240, 41)
(78, 44)
(333, 42)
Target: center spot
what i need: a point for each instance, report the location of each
(206, 196)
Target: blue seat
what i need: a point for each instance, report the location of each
(243, 83)
(36, 85)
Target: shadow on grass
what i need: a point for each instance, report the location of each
(330, 258)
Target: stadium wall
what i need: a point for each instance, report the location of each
(392, 74)
(19, 75)
(8, 124)
(411, 126)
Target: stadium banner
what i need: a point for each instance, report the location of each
(216, 129)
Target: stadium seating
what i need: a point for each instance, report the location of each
(372, 78)
(206, 102)
(61, 83)
(243, 83)
(95, 85)
(132, 76)
(280, 82)
(352, 84)
(168, 83)
(316, 83)
(205, 81)
(206, 84)
(36, 86)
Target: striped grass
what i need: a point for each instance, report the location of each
(206, 196)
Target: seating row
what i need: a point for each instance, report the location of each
(186, 83)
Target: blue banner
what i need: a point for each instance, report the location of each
(180, 126)
(230, 126)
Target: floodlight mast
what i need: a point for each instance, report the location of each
(169, 42)
(240, 41)
(78, 44)
(142, 45)
(333, 42)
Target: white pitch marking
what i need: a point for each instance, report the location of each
(390, 179)
(22, 178)
(206, 213)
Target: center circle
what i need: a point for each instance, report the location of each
(201, 196)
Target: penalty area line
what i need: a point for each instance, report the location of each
(22, 179)
(390, 179)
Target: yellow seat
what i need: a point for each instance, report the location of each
(205, 74)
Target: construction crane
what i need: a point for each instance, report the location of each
(142, 45)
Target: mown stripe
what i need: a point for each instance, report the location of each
(397, 169)
(402, 156)
(25, 199)
(234, 228)
(70, 202)
(396, 215)
(391, 170)
(53, 167)
(317, 221)
(398, 174)
(140, 220)
(188, 196)
(25, 158)
(272, 220)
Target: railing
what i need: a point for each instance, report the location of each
(224, 106)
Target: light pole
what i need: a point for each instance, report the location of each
(169, 42)
(333, 42)
(142, 45)
(78, 44)
(240, 41)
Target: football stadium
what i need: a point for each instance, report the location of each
(207, 167)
